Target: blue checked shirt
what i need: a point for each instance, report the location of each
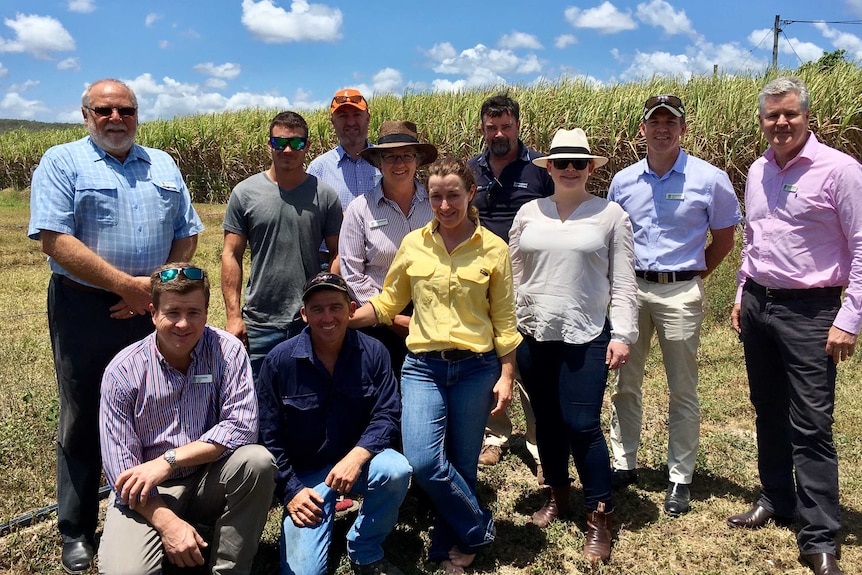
(349, 176)
(128, 213)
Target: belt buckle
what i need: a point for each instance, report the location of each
(665, 277)
(770, 292)
(443, 355)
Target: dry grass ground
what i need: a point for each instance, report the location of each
(647, 541)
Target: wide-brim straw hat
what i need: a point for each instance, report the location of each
(572, 145)
(398, 134)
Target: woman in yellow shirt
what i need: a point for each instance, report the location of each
(461, 359)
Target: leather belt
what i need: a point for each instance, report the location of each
(67, 281)
(666, 277)
(803, 293)
(450, 354)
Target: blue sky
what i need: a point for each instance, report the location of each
(191, 56)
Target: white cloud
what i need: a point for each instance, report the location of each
(660, 14)
(14, 106)
(388, 80)
(69, 64)
(843, 40)
(304, 22)
(806, 51)
(3, 70)
(605, 18)
(38, 35)
(699, 60)
(23, 87)
(215, 83)
(564, 40)
(442, 51)
(151, 19)
(482, 57)
(478, 78)
(164, 44)
(517, 40)
(227, 71)
(302, 100)
(82, 6)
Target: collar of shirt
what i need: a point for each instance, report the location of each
(808, 151)
(376, 197)
(430, 231)
(135, 153)
(305, 350)
(343, 156)
(524, 155)
(678, 166)
(153, 341)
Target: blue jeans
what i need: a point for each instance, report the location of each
(445, 406)
(383, 485)
(262, 340)
(566, 383)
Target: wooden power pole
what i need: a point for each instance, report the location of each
(775, 31)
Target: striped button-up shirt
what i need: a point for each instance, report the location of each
(148, 407)
(351, 177)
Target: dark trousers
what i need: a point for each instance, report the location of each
(792, 384)
(566, 384)
(85, 339)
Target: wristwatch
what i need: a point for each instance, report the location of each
(171, 457)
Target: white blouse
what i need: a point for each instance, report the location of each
(567, 273)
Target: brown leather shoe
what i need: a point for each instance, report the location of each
(597, 544)
(556, 506)
(822, 563)
(755, 518)
(490, 455)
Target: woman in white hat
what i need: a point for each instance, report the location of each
(376, 222)
(572, 258)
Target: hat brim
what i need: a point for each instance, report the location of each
(598, 161)
(371, 154)
(667, 107)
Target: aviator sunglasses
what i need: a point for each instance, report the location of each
(579, 164)
(171, 274)
(296, 143)
(354, 99)
(106, 111)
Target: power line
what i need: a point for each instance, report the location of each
(822, 21)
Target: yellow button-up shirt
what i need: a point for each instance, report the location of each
(462, 300)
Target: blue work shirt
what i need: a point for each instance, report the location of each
(670, 215)
(351, 177)
(310, 419)
(499, 199)
(129, 213)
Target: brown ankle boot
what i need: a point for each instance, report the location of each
(556, 506)
(597, 544)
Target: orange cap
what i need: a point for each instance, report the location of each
(348, 97)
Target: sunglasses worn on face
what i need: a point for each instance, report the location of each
(171, 274)
(579, 164)
(395, 158)
(106, 111)
(354, 99)
(296, 143)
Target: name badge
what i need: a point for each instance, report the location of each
(673, 196)
(522, 185)
(790, 188)
(172, 186)
(203, 378)
(374, 224)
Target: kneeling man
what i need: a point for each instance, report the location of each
(330, 412)
(178, 428)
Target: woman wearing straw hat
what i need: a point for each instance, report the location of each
(376, 222)
(572, 257)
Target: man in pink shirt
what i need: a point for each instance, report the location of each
(802, 246)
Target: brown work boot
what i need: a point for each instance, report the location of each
(556, 506)
(490, 455)
(597, 544)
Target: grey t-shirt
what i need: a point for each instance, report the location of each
(284, 230)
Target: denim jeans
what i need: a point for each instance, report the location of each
(445, 406)
(567, 385)
(262, 340)
(383, 485)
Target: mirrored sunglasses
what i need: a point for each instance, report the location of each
(296, 143)
(171, 274)
(353, 99)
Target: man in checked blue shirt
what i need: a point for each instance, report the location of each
(672, 200)
(179, 423)
(107, 212)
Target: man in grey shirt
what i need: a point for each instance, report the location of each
(283, 214)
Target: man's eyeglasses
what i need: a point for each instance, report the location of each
(171, 274)
(579, 164)
(353, 99)
(296, 143)
(395, 158)
(106, 111)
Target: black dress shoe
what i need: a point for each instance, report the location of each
(678, 499)
(756, 517)
(77, 556)
(623, 477)
(822, 563)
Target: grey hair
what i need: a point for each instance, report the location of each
(784, 85)
(85, 97)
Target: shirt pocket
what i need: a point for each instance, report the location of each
(96, 200)
(302, 415)
(169, 199)
(421, 274)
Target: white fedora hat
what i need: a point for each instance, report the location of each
(570, 144)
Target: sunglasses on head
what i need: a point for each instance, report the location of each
(106, 111)
(296, 143)
(579, 163)
(354, 99)
(668, 99)
(171, 274)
